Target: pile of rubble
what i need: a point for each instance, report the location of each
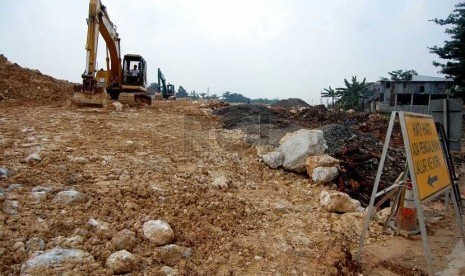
(291, 103)
(355, 140)
(24, 86)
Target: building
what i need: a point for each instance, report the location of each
(408, 95)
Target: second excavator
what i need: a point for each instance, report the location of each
(123, 80)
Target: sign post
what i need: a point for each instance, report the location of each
(427, 167)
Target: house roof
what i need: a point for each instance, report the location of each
(420, 78)
(427, 78)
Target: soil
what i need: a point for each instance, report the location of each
(159, 163)
(291, 103)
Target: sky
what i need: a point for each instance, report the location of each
(259, 48)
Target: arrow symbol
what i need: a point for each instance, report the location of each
(432, 179)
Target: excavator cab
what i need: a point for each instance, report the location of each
(134, 72)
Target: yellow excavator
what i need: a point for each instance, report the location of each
(125, 81)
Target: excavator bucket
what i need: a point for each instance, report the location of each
(96, 98)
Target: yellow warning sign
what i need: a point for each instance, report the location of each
(429, 164)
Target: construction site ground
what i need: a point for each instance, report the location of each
(160, 162)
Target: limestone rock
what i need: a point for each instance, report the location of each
(273, 159)
(324, 175)
(70, 197)
(169, 271)
(124, 239)
(54, 261)
(121, 262)
(322, 160)
(221, 182)
(339, 202)
(39, 196)
(171, 254)
(10, 207)
(158, 232)
(35, 157)
(117, 106)
(4, 172)
(299, 146)
(15, 186)
(35, 244)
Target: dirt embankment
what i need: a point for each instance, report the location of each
(25, 87)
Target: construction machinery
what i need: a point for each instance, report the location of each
(125, 80)
(167, 90)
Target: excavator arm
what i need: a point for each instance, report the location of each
(99, 22)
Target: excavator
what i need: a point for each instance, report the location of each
(123, 80)
(167, 90)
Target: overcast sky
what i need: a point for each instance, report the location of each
(260, 48)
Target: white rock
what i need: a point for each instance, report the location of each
(124, 239)
(39, 196)
(42, 189)
(70, 197)
(56, 258)
(324, 175)
(4, 172)
(339, 202)
(98, 225)
(169, 271)
(35, 244)
(33, 157)
(121, 262)
(118, 106)
(221, 182)
(158, 232)
(10, 207)
(350, 111)
(299, 146)
(273, 159)
(322, 160)
(13, 187)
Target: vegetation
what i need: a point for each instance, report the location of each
(330, 93)
(400, 75)
(182, 93)
(349, 96)
(453, 50)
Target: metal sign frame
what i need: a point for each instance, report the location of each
(419, 209)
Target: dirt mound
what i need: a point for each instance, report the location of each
(291, 103)
(23, 86)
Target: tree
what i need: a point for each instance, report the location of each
(400, 75)
(182, 93)
(453, 50)
(351, 94)
(153, 87)
(235, 98)
(329, 93)
(193, 95)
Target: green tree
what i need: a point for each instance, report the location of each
(193, 95)
(349, 96)
(399, 75)
(235, 98)
(329, 93)
(453, 51)
(153, 87)
(182, 93)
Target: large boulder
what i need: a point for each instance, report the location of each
(55, 262)
(324, 175)
(273, 159)
(338, 202)
(158, 231)
(322, 160)
(299, 146)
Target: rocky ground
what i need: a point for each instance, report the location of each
(166, 190)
